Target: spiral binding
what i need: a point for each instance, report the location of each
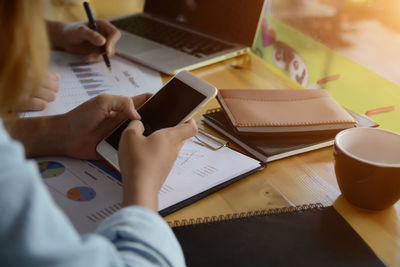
(244, 215)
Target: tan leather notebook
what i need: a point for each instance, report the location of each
(272, 111)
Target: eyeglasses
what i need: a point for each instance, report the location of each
(209, 140)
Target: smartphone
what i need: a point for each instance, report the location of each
(176, 102)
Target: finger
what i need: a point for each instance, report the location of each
(139, 100)
(52, 75)
(93, 57)
(51, 81)
(121, 104)
(111, 33)
(136, 127)
(110, 49)
(93, 37)
(186, 130)
(32, 104)
(45, 94)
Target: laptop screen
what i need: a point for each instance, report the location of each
(233, 20)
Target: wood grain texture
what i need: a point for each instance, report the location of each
(242, 196)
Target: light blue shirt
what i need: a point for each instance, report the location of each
(35, 232)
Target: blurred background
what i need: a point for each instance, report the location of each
(366, 31)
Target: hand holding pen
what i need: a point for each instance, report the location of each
(79, 38)
(93, 26)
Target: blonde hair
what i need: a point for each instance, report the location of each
(23, 50)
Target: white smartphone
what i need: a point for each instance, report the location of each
(175, 103)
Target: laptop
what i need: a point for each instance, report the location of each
(175, 35)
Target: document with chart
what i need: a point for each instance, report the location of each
(87, 191)
(90, 191)
(200, 171)
(80, 81)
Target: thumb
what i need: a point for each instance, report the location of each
(123, 105)
(135, 127)
(93, 37)
(186, 130)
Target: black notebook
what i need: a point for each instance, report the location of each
(309, 235)
(272, 147)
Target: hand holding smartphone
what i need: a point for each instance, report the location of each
(176, 102)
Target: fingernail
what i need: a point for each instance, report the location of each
(136, 114)
(109, 49)
(102, 40)
(58, 76)
(88, 59)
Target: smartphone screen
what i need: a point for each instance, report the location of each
(166, 108)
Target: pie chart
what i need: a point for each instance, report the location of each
(81, 193)
(50, 169)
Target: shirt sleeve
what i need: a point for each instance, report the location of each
(35, 232)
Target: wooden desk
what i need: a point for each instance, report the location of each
(297, 180)
(302, 179)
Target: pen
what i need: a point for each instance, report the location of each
(93, 26)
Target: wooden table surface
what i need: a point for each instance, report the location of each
(301, 179)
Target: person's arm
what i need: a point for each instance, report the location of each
(77, 132)
(38, 233)
(35, 232)
(40, 135)
(54, 31)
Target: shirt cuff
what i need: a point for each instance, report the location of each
(146, 231)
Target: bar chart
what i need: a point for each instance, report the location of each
(92, 81)
(81, 81)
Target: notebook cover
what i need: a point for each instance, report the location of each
(205, 193)
(283, 110)
(306, 236)
(271, 147)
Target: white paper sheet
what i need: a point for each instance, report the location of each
(90, 191)
(199, 168)
(84, 190)
(79, 81)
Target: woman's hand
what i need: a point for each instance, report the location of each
(145, 162)
(80, 39)
(46, 93)
(90, 122)
(76, 133)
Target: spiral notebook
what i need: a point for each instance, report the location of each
(309, 235)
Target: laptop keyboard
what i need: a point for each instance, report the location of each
(185, 41)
